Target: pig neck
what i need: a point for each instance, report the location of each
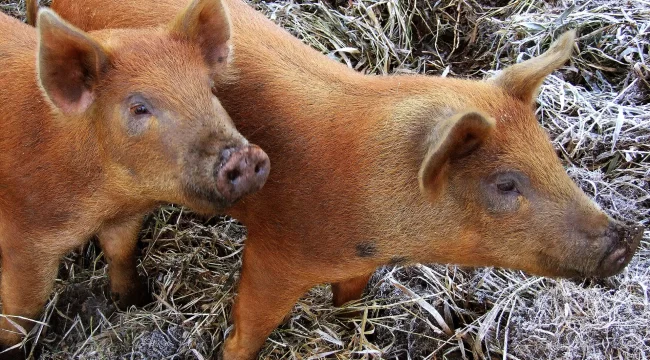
(345, 148)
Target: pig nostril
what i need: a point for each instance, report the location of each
(258, 168)
(233, 175)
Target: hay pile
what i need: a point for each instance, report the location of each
(597, 110)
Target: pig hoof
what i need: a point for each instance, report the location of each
(138, 296)
(134, 298)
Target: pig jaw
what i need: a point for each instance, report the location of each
(579, 242)
(573, 252)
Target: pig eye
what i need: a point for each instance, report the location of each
(139, 109)
(507, 186)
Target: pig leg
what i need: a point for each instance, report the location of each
(349, 290)
(266, 293)
(27, 279)
(118, 241)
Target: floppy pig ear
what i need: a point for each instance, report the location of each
(524, 79)
(207, 23)
(451, 139)
(69, 63)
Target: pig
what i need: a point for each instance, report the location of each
(97, 130)
(375, 170)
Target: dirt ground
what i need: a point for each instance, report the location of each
(597, 112)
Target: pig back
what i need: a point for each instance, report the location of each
(15, 36)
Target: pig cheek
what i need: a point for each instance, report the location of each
(198, 171)
(561, 248)
(138, 125)
(172, 142)
(503, 204)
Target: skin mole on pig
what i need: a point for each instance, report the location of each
(366, 249)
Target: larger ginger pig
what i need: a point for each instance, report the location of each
(374, 170)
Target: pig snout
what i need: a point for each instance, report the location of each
(242, 170)
(624, 242)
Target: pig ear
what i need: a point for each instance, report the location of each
(450, 140)
(69, 63)
(524, 79)
(206, 23)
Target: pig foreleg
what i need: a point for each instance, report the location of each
(118, 240)
(349, 290)
(27, 279)
(266, 293)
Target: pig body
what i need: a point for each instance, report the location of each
(99, 129)
(373, 170)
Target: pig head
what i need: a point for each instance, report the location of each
(490, 173)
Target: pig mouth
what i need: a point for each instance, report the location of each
(206, 198)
